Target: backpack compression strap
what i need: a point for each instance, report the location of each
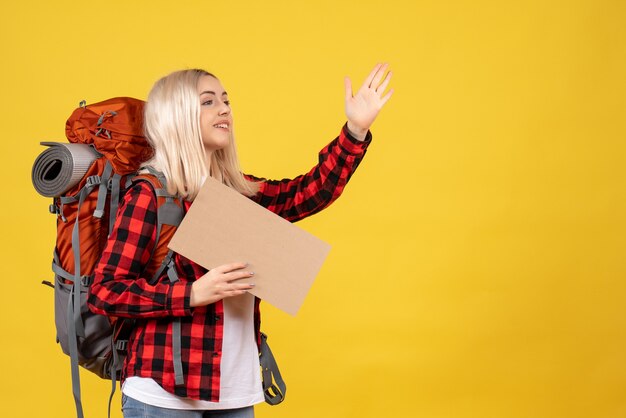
(74, 320)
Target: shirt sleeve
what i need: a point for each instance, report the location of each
(295, 199)
(118, 288)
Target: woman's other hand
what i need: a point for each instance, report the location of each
(363, 107)
(219, 283)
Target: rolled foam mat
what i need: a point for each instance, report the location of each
(61, 166)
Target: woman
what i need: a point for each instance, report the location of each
(188, 122)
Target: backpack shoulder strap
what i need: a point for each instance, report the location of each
(170, 212)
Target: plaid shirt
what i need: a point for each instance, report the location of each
(119, 290)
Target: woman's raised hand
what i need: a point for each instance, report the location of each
(363, 107)
(219, 283)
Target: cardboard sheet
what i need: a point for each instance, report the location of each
(223, 226)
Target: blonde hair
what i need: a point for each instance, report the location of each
(172, 127)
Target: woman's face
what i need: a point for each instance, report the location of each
(215, 118)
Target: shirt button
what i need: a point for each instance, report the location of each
(217, 318)
(215, 354)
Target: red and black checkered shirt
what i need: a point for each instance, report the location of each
(119, 290)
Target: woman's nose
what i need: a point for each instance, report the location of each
(224, 109)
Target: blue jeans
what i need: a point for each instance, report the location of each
(132, 408)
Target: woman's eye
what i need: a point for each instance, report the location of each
(227, 102)
(207, 103)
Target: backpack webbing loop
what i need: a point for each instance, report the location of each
(274, 393)
(107, 113)
(102, 192)
(66, 200)
(104, 115)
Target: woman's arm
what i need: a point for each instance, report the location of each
(297, 198)
(302, 196)
(119, 288)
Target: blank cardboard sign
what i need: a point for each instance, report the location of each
(223, 226)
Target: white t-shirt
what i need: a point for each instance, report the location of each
(240, 377)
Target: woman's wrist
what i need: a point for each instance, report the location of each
(193, 296)
(357, 132)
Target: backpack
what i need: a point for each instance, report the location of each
(86, 179)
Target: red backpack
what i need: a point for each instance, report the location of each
(86, 179)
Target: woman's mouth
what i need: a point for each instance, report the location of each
(222, 125)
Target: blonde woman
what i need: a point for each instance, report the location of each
(188, 122)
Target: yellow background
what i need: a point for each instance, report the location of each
(478, 262)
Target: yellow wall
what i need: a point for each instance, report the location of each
(477, 267)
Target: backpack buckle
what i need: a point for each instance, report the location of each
(56, 210)
(85, 280)
(93, 180)
(121, 345)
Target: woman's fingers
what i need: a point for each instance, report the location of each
(378, 76)
(236, 287)
(370, 77)
(381, 88)
(227, 273)
(236, 275)
(386, 97)
(226, 268)
(348, 85)
(231, 289)
(231, 293)
(220, 282)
